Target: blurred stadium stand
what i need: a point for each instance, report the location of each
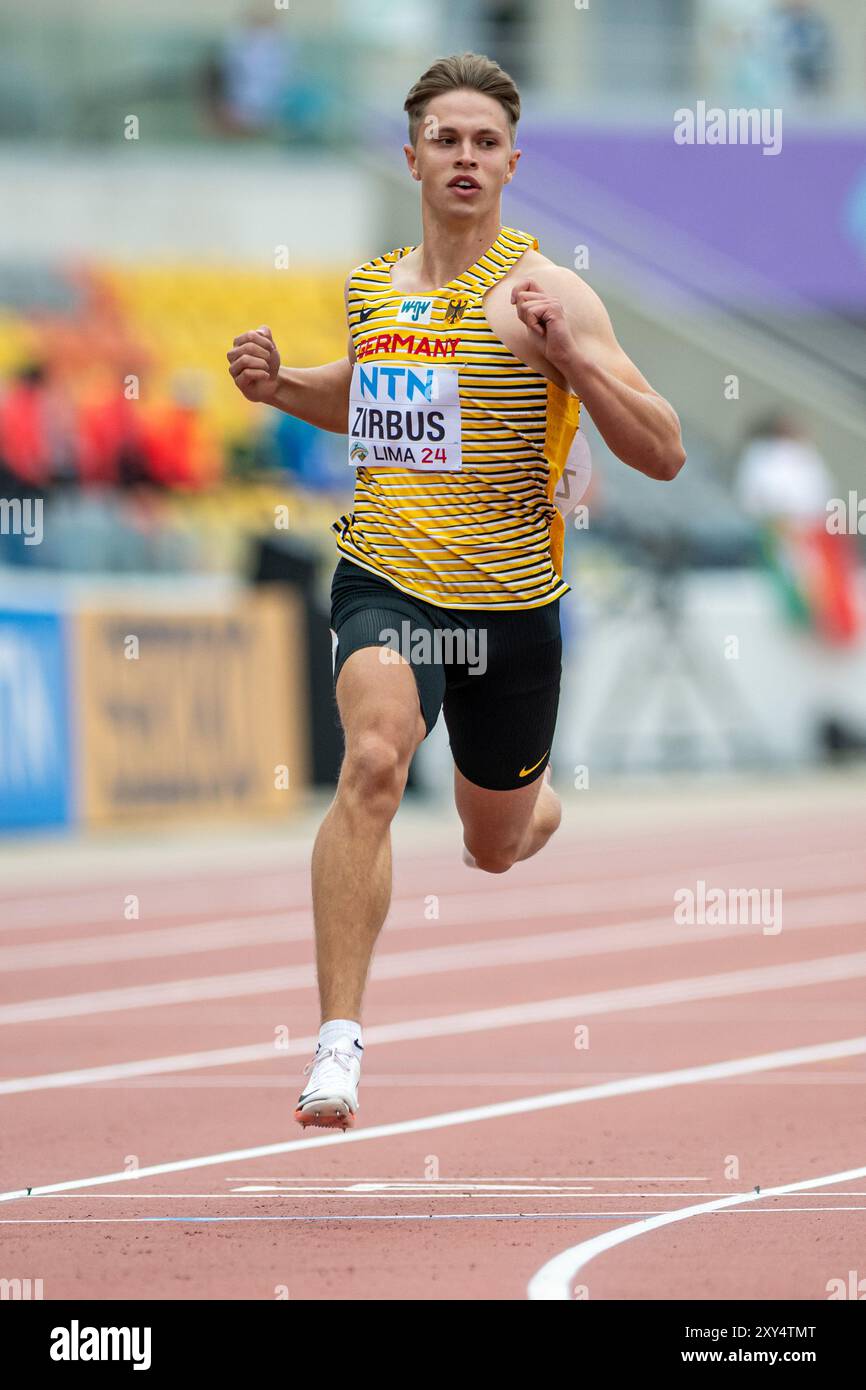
(128, 265)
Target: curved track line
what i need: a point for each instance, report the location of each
(553, 1282)
(633, 1085)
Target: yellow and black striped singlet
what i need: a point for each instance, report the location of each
(488, 535)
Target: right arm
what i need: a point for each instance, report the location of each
(319, 395)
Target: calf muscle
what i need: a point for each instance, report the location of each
(351, 867)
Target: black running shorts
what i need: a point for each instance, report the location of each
(495, 676)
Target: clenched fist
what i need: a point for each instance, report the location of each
(254, 362)
(545, 317)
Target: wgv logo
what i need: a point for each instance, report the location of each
(415, 311)
(396, 384)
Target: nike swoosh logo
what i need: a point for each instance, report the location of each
(525, 771)
(365, 313)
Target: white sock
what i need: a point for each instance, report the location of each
(339, 1028)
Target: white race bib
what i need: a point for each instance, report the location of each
(404, 417)
(575, 475)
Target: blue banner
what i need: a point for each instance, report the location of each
(35, 774)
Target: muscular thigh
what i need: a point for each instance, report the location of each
(494, 819)
(501, 720)
(377, 695)
(379, 686)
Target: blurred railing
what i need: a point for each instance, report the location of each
(72, 77)
(72, 82)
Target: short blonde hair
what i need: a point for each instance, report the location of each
(472, 70)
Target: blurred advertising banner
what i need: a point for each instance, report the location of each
(191, 713)
(35, 780)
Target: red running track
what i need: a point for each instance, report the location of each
(555, 1070)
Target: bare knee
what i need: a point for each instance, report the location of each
(494, 859)
(548, 813)
(497, 856)
(374, 773)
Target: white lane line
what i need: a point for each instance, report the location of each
(229, 933)
(265, 889)
(285, 1081)
(331, 1216)
(344, 1194)
(808, 910)
(534, 948)
(627, 1086)
(275, 884)
(555, 1279)
(590, 1194)
(324, 1194)
(587, 1177)
(832, 869)
(379, 1216)
(328, 1194)
(726, 984)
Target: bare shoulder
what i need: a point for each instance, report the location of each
(556, 279)
(531, 265)
(530, 262)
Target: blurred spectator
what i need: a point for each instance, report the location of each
(181, 448)
(758, 52)
(781, 475)
(740, 65)
(255, 86)
(246, 85)
(784, 485)
(111, 441)
(506, 35)
(37, 431)
(315, 459)
(805, 44)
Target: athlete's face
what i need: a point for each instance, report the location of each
(463, 155)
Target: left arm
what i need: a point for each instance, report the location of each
(575, 334)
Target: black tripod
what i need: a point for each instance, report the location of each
(667, 666)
